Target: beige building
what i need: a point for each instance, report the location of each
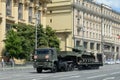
(84, 22)
(20, 11)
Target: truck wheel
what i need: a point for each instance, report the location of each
(70, 67)
(54, 69)
(39, 70)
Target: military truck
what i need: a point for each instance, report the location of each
(50, 59)
(47, 58)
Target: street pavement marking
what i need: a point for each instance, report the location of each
(69, 77)
(104, 75)
(65, 75)
(114, 73)
(109, 78)
(97, 76)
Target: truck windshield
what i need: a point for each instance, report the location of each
(43, 51)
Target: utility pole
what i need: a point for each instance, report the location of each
(102, 45)
(36, 25)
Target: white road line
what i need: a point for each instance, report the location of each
(114, 73)
(104, 75)
(65, 75)
(69, 77)
(109, 78)
(97, 76)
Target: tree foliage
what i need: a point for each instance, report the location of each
(52, 39)
(20, 40)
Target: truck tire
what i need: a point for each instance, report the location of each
(39, 70)
(54, 69)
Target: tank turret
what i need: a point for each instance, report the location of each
(79, 49)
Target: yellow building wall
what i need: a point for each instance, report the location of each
(13, 18)
(60, 18)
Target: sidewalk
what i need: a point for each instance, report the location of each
(16, 67)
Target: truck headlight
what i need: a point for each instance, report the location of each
(47, 57)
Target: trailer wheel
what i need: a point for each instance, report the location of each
(39, 70)
(70, 67)
(80, 67)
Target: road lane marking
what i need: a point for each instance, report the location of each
(69, 77)
(114, 73)
(109, 78)
(65, 75)
(97, 76)
(103, 75)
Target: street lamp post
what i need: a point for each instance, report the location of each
(102, 35)
(36, 25)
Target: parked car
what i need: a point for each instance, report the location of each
(117, 61)
(110, 61)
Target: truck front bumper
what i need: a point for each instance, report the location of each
(43, 65)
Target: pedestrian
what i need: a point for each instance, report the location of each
(3, 63)
(12, 62)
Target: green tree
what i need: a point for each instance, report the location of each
(42, 38)
(52, 39)
(13, 44)
(20, 40)
(24, 34)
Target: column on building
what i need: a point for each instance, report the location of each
(103, 29)
(110, 31)
(2, 26)
(88, 47)
(15, 11)
(44, 6)
(95, 50)
(26, 13)
(115, 52)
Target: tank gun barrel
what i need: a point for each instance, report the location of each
(76, 49)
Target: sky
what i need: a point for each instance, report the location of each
(115, 4)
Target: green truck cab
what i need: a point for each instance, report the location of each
(44, 59)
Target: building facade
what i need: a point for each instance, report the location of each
(85, 22)
(20, 11)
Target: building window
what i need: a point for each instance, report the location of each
(30, 14)
(50, 20)
(113, 48)
(31, 0)
(77, 43)
(8, 7)
(50, 11)
(20, 11)
(8, 27)
(85, 45)
(98, 46)
(91, 46)
(117, 49)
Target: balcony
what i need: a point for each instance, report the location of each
(107, 50)
(21, 21)
(47, 1)
(10, 18)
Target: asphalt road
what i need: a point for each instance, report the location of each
(107, 72)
